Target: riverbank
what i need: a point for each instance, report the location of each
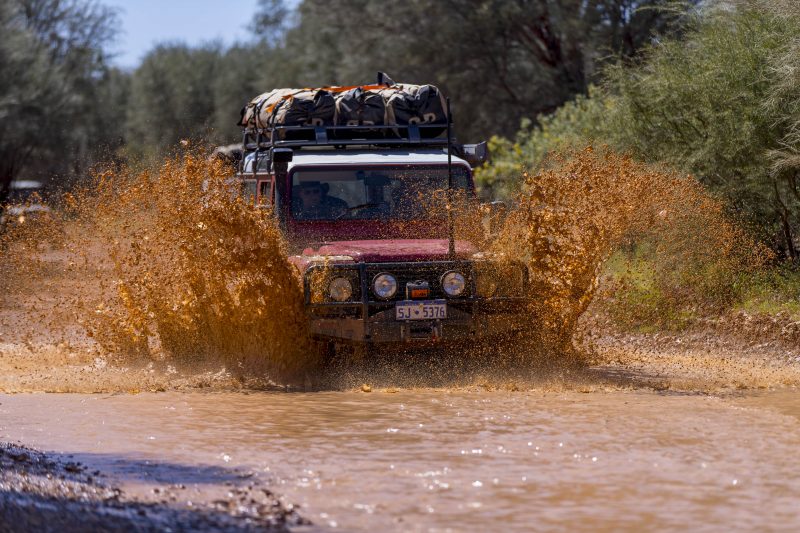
(716, 354)
(50, 493)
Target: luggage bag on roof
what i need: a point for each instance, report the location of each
(384, 104)
(313, 107)
(290, 107)
(250, 112)
(359, 106)
(416, 104)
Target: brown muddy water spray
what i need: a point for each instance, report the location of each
(583, 205)
(171, 265)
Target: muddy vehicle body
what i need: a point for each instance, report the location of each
(370, 234)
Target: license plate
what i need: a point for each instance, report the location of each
(422, 310)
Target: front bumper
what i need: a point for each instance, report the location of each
(382, 327)
(370, 321)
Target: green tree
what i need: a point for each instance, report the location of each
(576, 123)
(172, 98)
(500, 60)
(699, 105)
(271, 21)
(236, 82)
(53, 64)
(721, 102)
(783, 102)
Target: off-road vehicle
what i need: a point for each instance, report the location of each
(364, 209)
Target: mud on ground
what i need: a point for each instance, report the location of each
(43, 493)
(735, 351)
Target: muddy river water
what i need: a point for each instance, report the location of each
(438, 460)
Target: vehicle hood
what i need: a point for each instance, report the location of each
(392, 250)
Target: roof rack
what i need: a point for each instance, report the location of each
(419, 135)
(278, 142)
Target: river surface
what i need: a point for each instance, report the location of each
(440, 460)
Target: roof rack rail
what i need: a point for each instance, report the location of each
(342, 136)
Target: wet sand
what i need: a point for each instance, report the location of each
(53, 493)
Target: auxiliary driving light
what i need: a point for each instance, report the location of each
(384, 286)
(453, 283)
(340, 289)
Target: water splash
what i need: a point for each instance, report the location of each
(168, 264)
(583, 205)
(171, 266)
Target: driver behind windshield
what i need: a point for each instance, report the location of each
(310, 200)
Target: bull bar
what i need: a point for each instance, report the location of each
(370, 320)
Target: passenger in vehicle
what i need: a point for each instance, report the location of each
(310, 201)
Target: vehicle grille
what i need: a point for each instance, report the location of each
(430, 272)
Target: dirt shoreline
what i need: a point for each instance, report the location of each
(43, 492)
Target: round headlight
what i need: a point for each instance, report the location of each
(453, 283)
(384, 286)
(340, 289)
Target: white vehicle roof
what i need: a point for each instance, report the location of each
(361, 157)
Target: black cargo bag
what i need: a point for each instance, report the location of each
(358, 107)
(290, 107)
(423, 105)
(314, 107)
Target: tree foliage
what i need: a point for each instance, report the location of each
(501, 61)
(721, 102)
(55, 72)
(171, 98)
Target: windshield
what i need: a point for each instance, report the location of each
(386, 193)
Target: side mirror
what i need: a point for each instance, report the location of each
(474, 154)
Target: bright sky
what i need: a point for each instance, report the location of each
(149, 22)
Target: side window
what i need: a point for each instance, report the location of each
(265, 192)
